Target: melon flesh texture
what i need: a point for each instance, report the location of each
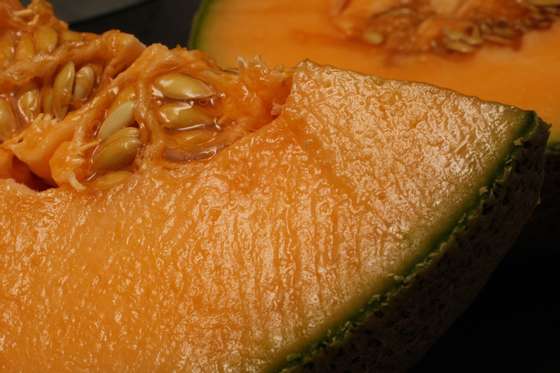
(235, 263)
(286, 32)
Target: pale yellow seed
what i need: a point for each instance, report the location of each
(47, 103)
(29, 104)
(111, 180)
(25, 49)
(7, 49)
(46, 39)
(373, 37)
(118, 151)
(190, 145)
(183, 87)
(193, 139)
(120, 117)
(8, 123)
(504, 32)
(70, 36)
(127, 94)
(24, 13)
(62, 89)
(453, 35)
(458, 46)
(85, 79)
(180, 115)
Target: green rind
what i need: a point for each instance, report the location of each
(394, 330)
(198, 23)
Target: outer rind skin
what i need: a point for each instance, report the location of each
(394, 331)
(542, 229)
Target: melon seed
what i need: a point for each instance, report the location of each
(118, 151)
(373, 37)
(120, 117)
(180, 115)
(24, 13)
(458, 46)
(62, 89)
(182, 87)
(29, 104)
(70, 36)
(6, 47)
(193, 138)
(25, 49)
(46, 39)
(8, 124)
(111, 180)
(47, 100)
(85, 79)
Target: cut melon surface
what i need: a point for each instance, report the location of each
(285, 33)
(288, 239)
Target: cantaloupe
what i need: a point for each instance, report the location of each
(500, 50)
(256, 220)
(164, 214)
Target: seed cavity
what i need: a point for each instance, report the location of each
(62, 89)
(29, 104)
(183, 87)
(8, 123)
(46, 39)
(85, 79)
(182, 116)
(118, 151)
(120, 117)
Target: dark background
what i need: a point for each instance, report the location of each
(514, 325)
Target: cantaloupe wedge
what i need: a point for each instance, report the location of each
(324, 220)
(499, 50)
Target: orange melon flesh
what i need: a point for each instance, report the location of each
(286, 32)
(235, 263)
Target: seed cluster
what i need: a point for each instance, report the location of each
(458, 26)
(69, 89)
(89, 110)
(182, 110)
(31, 32)
(32, 35)
(185, 116)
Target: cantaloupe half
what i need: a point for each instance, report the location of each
(324, 220)
(514, 60)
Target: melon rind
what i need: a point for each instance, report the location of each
(542, 229)
(394, 330)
